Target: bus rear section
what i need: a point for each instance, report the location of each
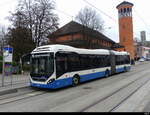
(122, 60)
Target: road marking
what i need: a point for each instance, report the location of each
(32, 94)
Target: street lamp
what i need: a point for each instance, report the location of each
(3, 56)
(3, 71)
(3, 68)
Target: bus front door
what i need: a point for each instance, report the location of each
(113, 63)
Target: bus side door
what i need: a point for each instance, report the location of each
(112, 63)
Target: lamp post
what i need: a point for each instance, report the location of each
(3, 56)
(3, 67)
(6, 58)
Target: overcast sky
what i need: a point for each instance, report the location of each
(67, 9)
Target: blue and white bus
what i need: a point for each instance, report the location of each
(57, 66)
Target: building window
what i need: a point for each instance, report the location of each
(128, 10)
(124, 10)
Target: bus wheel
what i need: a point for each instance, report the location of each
(125, 69)
(107, 73)
(75, 80)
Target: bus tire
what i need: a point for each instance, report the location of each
(75, 80)
(125, 69)
(107, 73)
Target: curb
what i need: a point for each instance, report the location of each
(10, 91)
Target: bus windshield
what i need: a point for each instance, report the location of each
(42, 64)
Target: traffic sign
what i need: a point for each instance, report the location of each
(8, 54)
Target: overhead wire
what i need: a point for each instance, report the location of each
(140, 17)
(108, 16)
(72, 17)
(100, 10)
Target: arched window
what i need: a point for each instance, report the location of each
(122, 14)
(121, 11)
(124, 10)
(128, 10)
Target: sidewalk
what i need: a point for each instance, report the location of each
(15, 78)
(14, 82)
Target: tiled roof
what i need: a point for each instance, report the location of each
(124, 3)
(117, 45)
(74, 27)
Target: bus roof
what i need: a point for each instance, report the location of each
(57, 47)
(120, 53)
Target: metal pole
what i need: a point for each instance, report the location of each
(3, 71)
(21, 66)
(12, 70)
(11, 75)
(3, 68)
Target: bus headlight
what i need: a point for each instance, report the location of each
(51, 80)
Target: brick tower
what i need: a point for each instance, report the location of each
(126, 27)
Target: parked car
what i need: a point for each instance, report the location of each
(148, 59)
(141, 60)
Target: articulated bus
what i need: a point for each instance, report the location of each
(57, 66)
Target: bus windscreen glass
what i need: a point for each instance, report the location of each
(42, 65)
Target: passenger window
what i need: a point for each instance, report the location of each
(61, 64)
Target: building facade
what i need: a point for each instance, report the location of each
(144, 52)
(126, 28)
(77, 35)
(143, 36)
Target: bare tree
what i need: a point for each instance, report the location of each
(38, 17)
(3, 39)
(90, 18)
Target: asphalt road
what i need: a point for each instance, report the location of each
(102, 95)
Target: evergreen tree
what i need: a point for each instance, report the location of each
(19, 38)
